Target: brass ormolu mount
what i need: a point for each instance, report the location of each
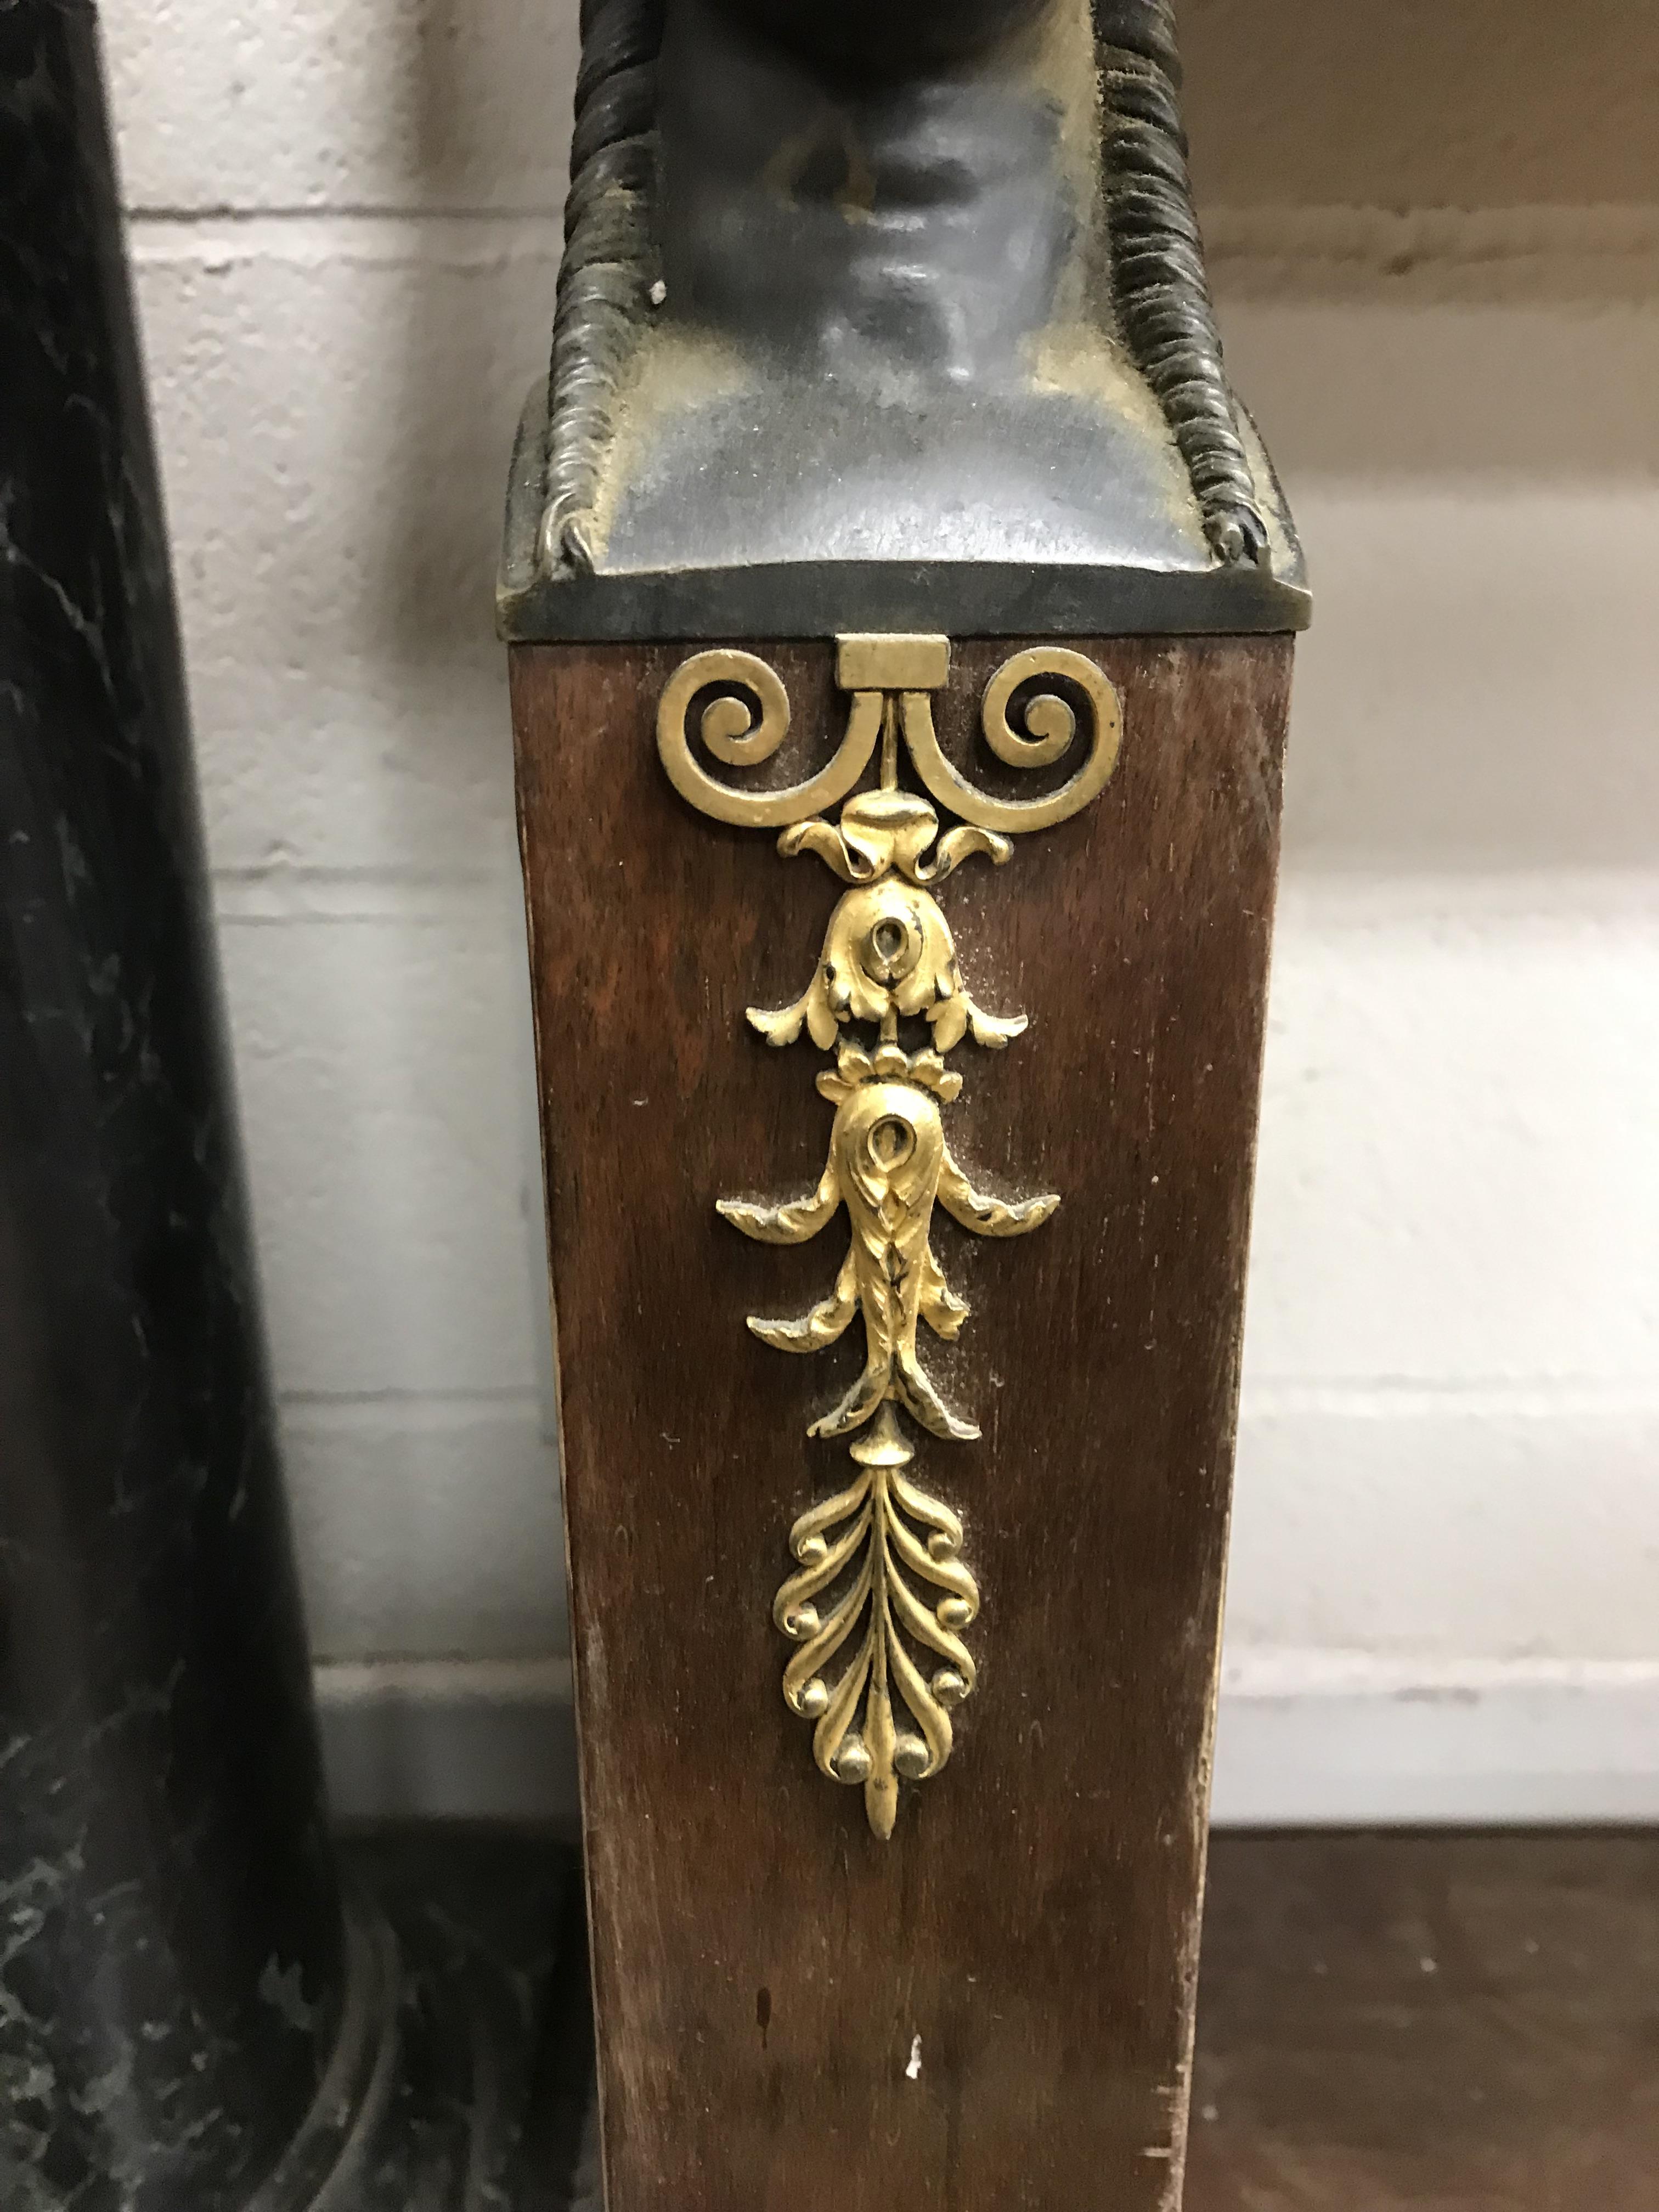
(880, 1590)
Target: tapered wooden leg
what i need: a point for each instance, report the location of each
(992, 2004)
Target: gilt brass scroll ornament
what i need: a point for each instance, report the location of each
(880, 1596)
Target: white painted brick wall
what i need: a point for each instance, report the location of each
(346, 235)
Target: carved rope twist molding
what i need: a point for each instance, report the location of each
(880, 1596)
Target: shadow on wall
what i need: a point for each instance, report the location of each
(1435, 229)
(1422, 103)
(1478, 489)
(492, 84)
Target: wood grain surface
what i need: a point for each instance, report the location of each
(994, 2008)
(1436, 2023)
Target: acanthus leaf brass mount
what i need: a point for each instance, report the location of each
(880, 1596)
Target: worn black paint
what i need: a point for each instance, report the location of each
(887, 319)
(170, 1928)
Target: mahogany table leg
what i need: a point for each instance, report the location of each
(993, 2005)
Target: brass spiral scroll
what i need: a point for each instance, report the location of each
(734, 735)
(880, 1596)
(1055, 727)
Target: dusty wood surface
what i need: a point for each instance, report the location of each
(993, 2009)
(1400, 2023)
(1429, 2024)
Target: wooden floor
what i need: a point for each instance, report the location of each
(1447, 2023)
(1386, 2023)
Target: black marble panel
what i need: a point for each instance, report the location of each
(171, 1938)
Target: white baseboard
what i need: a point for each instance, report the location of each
(1305, 1740)
(450, 1740)
(1324, 1741)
